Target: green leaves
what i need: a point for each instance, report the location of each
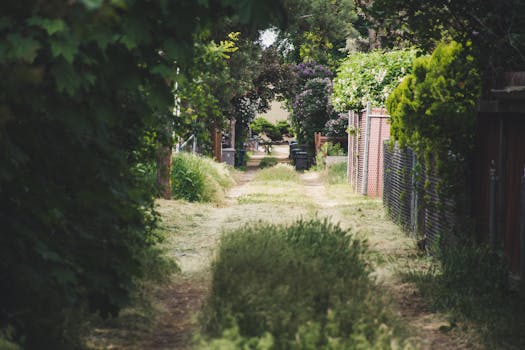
(433, 109)
(86, 91)
(369, 77)
(51, 26)
(22, 48)
(67, 80)
(65, 45)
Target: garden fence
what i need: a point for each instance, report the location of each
(411, 199)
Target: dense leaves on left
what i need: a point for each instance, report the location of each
(85, 89)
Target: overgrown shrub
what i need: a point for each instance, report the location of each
(199, 179)
(267, 162)
(471, 282)
(435, 105)
(279, 172)
(369, 77)
(336, 126)
(302, 286)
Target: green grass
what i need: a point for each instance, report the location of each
(336, 173)
(279, 172)
(470, 282)
(199, 179)
(302, 286)
(267, 162)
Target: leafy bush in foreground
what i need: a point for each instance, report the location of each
(303, 286)
(199, 179)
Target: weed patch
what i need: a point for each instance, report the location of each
(336, 173)
(279, 172)
(302, 286)
(199, 179)
(471, 283)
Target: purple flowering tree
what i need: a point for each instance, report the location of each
(311, 106)
(337, 126)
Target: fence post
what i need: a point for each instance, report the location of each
(414, 200)
(522, 226)
(493, 180)
(364, 188)
(350, 150)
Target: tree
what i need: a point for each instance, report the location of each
(311, 107)
(496, 28)
(85, 90)
(322, 31)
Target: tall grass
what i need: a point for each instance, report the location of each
(336, 173)
(280, 172)
(199, 179)
(303, 286)
(471, 283)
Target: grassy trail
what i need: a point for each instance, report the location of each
(194, 231)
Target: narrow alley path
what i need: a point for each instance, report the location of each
(195, 229)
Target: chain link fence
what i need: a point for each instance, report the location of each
(411, 199)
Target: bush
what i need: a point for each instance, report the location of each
(279, 172)
(337, 126)
(262, 125)
(285, 129)
(199, 179)
(435, 105)
(303, 286)
(369, 77)
(267, 162)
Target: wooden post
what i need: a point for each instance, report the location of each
(164, 161)
(232, 133)
(217, 145)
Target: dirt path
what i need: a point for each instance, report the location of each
(195, 230)
(431, 331)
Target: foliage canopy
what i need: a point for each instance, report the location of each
(369, 77)
(86, 88)
(495, 28)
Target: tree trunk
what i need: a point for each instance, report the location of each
(164, 159)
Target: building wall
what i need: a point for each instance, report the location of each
(277, 112)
